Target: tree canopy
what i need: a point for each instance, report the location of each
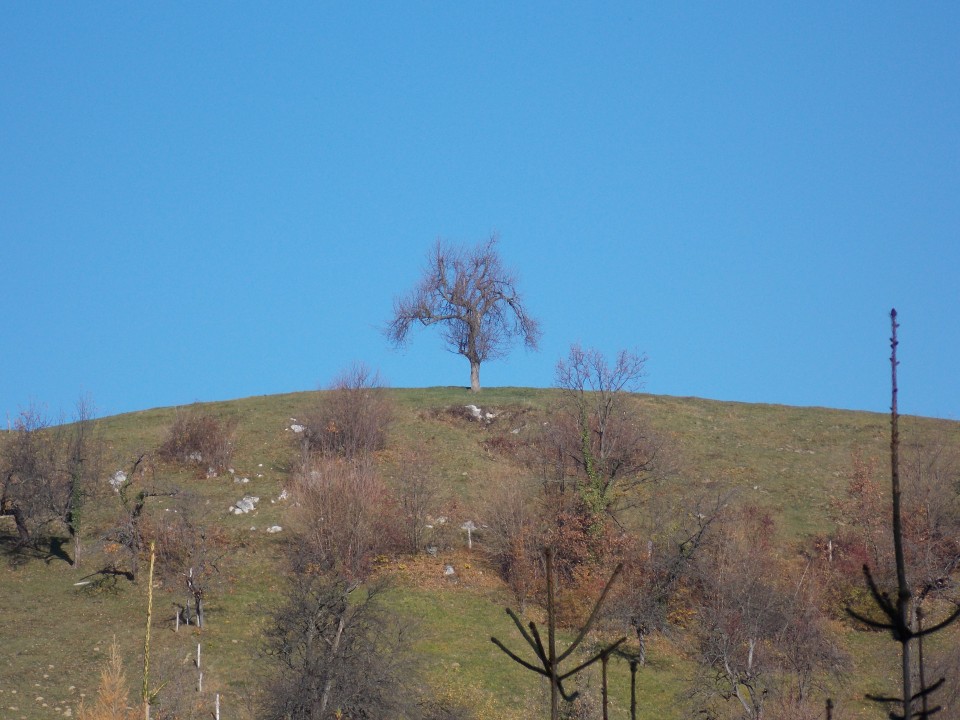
(474, 298)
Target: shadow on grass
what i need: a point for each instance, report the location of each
(57, 551)
(19, 553)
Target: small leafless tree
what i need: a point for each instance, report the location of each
(29, 469)
(474, 298)
(189, 553)
(337, 652)
(83, 465)
(596, 442)
(352, 418)
(129, 531)
(49, 471)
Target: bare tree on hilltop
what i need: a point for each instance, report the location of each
(470, 293)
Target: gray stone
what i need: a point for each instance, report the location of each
(248, 503)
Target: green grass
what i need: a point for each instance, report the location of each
(791, 460)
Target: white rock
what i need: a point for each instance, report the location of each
(248, 503)
(274, 529)
(297, 428)
(448, 570)
(474, 411)
(117, 480)
(283, 494)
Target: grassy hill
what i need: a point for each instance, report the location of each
(55, 633)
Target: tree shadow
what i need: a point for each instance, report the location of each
(16, 551)
(57, 551)
(105, 580)
(110, 572)
(19, 553)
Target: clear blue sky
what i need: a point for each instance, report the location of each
(203, 202)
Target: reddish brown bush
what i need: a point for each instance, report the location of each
(198, 437)
(513, 536)
(352, 418)
(347, 516)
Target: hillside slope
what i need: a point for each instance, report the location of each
(56, 632)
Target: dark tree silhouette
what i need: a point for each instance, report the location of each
(474, 298)
(900, 618)
(337, 652)
(547, 656)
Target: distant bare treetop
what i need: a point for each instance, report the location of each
(470, 293)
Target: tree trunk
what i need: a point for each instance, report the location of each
(334, 649)
(8, 507)
(474, 376)
(76, 548)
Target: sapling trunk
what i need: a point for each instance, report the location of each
(899, 614)
(146, 640)
(549, 659)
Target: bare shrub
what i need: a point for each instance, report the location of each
(660, 569)
(513, 536)
(198, 437)
(352, 418)
(419, 494)
(598, 440)
(930, 530)
(345, 516)
(760, 632)
(132, 529)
